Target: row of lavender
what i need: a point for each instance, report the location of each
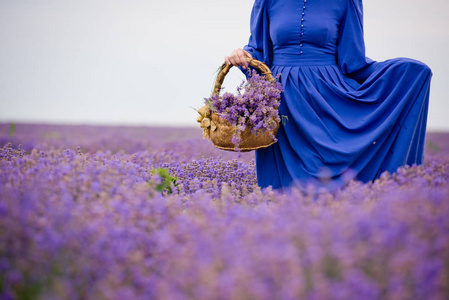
(90, 223)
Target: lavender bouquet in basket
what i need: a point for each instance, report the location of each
(249, 116)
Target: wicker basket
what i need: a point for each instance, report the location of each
(220, 132)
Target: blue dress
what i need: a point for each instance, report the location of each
(348, 116)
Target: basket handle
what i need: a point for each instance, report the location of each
(224, 70)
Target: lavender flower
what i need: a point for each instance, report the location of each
(79, 220)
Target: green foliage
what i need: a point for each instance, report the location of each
(433, 146)
(284, 120)
(12, 129)
(166, 180)
(331, 268)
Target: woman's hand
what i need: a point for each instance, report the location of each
(238, 58)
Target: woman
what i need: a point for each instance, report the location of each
(347, 114)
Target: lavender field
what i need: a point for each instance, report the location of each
(158, 213)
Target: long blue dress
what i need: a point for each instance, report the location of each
(346, 113)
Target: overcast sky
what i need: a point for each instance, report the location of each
(145, 62)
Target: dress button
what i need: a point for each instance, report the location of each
(302, 19)
(300, 45)
(300, 52)
(302, 26)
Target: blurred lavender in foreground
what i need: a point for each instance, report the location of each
(81, 218)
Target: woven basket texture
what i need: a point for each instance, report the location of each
(222, 136)
(221, 132)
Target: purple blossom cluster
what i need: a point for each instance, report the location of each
(255, 105)
(90, 224)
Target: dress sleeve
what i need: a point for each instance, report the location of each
(259, 44)
(351, 44)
